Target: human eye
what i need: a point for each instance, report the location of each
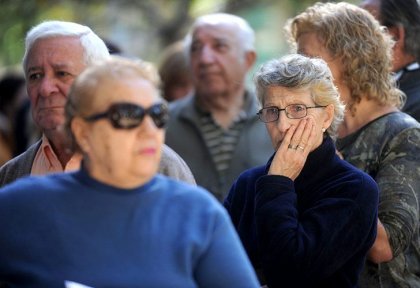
(296, 110)
(33, 76)
(298, 107)
(62, 73)
(271, 112)
(221, 46)
(196, 46)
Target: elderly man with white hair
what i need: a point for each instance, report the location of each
(216, 130)
(56, 52)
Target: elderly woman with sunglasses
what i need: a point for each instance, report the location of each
(115, 223)
(306, 218)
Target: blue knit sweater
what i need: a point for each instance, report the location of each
(69, 227)
(313, 232)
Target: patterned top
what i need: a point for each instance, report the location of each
(388, 149)
(221, 142)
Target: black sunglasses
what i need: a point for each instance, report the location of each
(129, 116)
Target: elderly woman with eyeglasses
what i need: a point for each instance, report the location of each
(115, 223)
(307, 218)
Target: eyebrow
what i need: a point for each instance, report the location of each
(217, 38)
(55, 67)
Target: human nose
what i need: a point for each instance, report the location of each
(48, 86)
(148, 124)
(207, 55)
(283, 123)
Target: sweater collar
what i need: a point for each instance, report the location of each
(321, 157)
(83, 176)
(410, 67)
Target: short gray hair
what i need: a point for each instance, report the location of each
(298, 72)
(245, 34)
(94, 47)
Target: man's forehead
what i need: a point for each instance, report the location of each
(57, 42)
(220, 31)
(57, 51)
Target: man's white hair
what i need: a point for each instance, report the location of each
(94, 47)
(245, 34)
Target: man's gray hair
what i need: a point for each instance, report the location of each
(94, 47)
(245, 34)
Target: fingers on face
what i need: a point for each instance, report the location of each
(307, 133)
(288, 136)
(300, 138)
(297, 137)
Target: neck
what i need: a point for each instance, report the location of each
(115, 177)
(402, 61)
(224, 107)
(61, 144)
(365, 112)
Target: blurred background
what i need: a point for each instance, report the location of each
(134, 28)
(143, 28)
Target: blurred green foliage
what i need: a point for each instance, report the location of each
(142, 28)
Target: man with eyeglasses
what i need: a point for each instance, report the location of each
(56, 53)
(216, 130)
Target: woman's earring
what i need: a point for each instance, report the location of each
(323, 130)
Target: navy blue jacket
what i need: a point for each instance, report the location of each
(311, 232)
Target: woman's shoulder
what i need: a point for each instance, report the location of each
(397, 130)
(254, 172)
(35, 189)
(394, 123)
(376, 135)
(177, 190)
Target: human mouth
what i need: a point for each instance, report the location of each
(148, 151)
(208, 73)
(50, 108)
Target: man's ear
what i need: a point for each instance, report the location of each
(398, 34)
(250, 58)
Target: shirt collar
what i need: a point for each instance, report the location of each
(410, 67)
(46, 161)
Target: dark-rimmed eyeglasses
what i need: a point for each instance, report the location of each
(293, 111)
(129, 116)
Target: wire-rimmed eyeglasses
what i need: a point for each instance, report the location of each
(293, 111)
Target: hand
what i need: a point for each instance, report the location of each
(294, 149)
(381, 250)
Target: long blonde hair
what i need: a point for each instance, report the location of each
(365, 49)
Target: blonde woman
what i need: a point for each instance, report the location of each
(374, 136)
